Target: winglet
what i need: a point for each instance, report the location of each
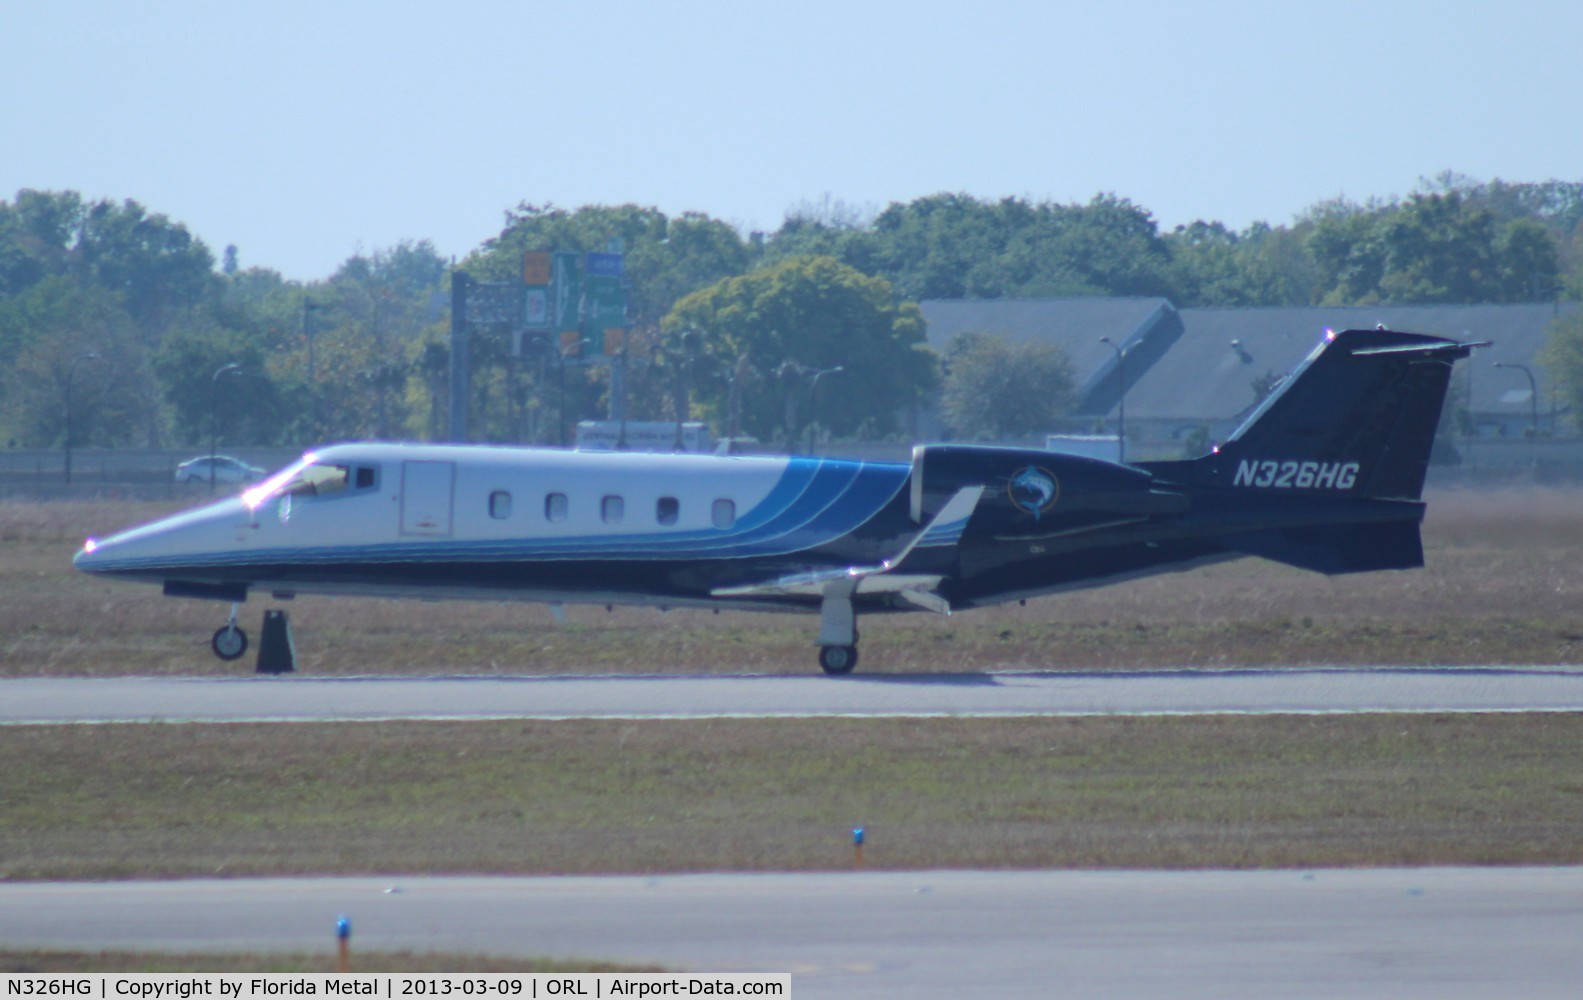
(945, 529)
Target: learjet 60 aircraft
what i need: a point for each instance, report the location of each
(1326, 474)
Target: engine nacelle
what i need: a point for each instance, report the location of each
(1027, 489)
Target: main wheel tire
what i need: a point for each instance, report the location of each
(229, 642)
(837, 660)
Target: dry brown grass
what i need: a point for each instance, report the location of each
(590, 797)
(1502, 585)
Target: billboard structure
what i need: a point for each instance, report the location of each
(562, 301)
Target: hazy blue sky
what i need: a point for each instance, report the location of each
(306, 132)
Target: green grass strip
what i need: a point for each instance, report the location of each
(614, 796)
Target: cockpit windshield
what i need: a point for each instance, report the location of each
(277, 483)
(310, 477)
(317, 480)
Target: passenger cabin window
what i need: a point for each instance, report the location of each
(500, 505)
(667, 510)
(723, 513)
(555, 507)
(611, 509)
(319, 480)
(366, 479)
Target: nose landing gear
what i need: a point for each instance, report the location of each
(229, 641)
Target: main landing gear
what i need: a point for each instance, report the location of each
(837, 660)
(838, 629)
(229, 642)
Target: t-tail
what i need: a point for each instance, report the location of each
(1335, 457)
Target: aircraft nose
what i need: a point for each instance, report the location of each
(162, 543)
(101, 555)
(84, 559)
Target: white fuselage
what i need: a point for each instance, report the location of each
(346, 517)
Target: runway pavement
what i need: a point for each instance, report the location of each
(1185, 692)
(1440, 933)
(1399, 933)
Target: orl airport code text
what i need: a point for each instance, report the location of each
(236, 986)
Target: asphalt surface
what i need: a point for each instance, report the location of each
(1434, 933)
(1185, 692)
(1440, 933)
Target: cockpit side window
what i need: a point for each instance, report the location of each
(317, 480)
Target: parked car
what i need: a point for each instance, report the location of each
(226, 470)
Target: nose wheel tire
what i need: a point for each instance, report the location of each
(229, 642)
(836, 660)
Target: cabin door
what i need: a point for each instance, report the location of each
(427, 489)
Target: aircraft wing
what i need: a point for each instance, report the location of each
(945, 529)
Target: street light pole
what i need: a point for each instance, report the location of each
(71, 373)
(683, 400)
(560, 356)
(813, 399)
(214, 427)
(1121, 415)
(787, 371)
(309, 307)
(739, 372)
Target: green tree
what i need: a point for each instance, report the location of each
(82, 348)
(153, 263)
(793, 320)
(1529, 261)
(208, 398)
(827, 228)
(665, 258)
(367, 321)
(1434, 248)
(1213, 266)
(1114, 245)
(953, 246)
(36, 234)
(1439, 249)
(997, 389)
(1341, 238)
(696, 252)
(931, 247)
(1562, 357)
(78, 276)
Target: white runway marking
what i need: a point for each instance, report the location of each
(54, 701)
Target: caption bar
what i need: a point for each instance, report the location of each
(394, 986)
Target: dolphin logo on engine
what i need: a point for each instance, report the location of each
(1033, 489)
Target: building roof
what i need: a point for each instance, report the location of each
(1210, 372)
(1145, 325)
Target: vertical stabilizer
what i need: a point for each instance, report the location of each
(1356, 418)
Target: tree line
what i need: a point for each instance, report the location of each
(119, 327)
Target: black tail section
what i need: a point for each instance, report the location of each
(1340, 548)
(1328, 473)
(1357, 418)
